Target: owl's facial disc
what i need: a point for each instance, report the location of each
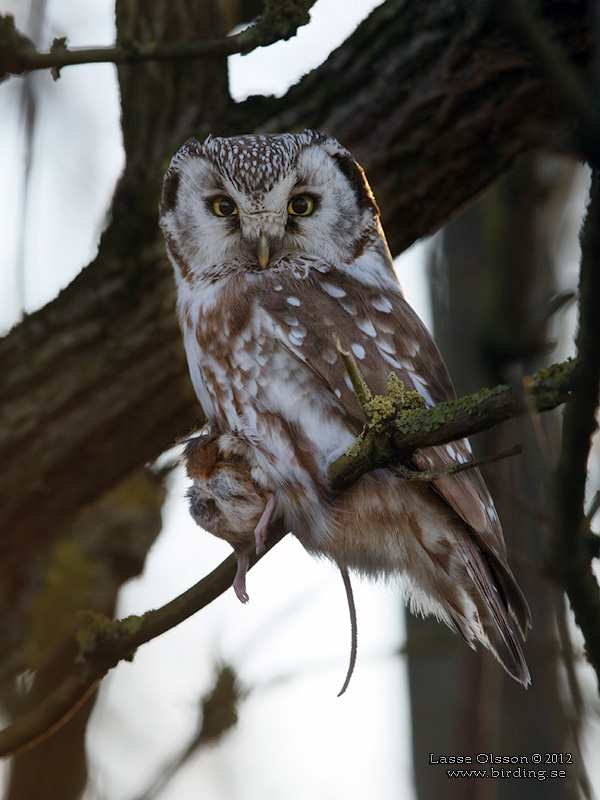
(261, 202)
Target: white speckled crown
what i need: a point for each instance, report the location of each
(254, 160)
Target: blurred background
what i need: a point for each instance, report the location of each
(495, 286)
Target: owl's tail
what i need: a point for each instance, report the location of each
(384, 526)
(495, 610)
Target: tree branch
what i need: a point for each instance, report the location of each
(385, 441)
(395, 438)
(279, 21)
(103, 643)
(567, 81)
(434, 100)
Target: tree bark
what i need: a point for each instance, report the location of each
(432, 98)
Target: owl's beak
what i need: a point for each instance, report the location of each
(263, 250)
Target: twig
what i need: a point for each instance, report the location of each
(18, 54)
(593, 509)
(361, 390)
(429, 475)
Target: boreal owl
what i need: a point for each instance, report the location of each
(277, 248)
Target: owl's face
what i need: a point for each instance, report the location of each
(255, 202)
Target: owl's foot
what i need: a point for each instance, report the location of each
(262, 529)
(239, 582)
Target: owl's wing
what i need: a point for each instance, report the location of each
(383, 332)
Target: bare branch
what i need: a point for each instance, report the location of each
(429, 475)
(279, 21)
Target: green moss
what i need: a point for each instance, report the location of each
(397, 400)
(95, 627)
(66, 589)
(412, 420)
(556, 375)
(354, 450)
(131, 624)
(378, 409)
(550, 383)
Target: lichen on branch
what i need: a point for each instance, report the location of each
(395, 438)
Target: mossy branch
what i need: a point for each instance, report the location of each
(279, 21)
(394, 438)
(103, 643)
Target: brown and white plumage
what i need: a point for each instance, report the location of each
(277, 246)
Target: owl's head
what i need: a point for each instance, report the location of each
(251, 202)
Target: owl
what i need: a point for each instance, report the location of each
(277, 248)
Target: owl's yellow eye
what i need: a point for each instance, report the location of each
(302, 205)
(223, 206)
